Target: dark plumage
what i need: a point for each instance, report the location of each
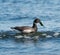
(27, 29)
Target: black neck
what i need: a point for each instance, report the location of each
(34, 26)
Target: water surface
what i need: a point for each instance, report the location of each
(23, 12)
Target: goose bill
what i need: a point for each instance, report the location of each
(41, 24)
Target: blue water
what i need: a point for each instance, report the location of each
(23, 12)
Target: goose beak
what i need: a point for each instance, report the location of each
(41, 23)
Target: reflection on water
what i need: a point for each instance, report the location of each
(13, 46)
(43, 34)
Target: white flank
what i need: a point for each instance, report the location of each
(27, 31)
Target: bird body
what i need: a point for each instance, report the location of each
(24, 29)
(28, 29)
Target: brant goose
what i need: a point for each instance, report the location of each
(27, 29)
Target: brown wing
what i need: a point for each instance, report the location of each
(22, 28)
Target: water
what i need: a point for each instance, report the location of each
(23, 12)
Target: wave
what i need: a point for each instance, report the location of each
(44, 34)
(41, 8)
